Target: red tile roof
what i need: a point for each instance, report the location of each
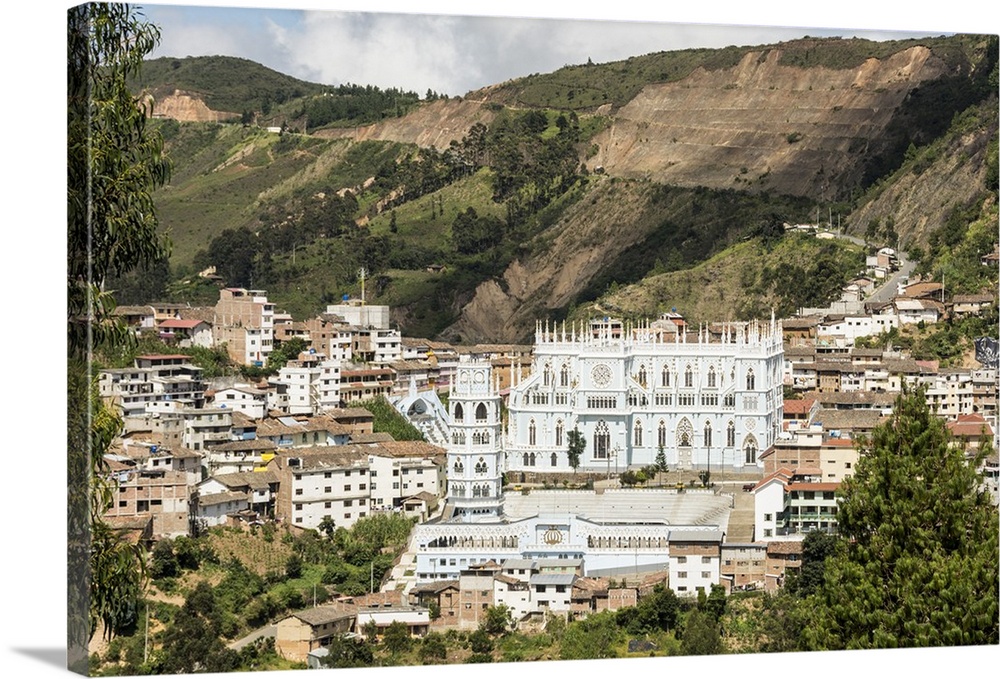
(179, 323)
(798, 406)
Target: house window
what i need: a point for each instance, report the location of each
(328, 489)
(767, 532)
(706, 559)
(767, 517)
(750, 380)
(348, 503)
(327, 505)
(298, 507)
(347, 488)
(682, 559)
(298, 491)
(706, 574)
(688, 377)
(637, 434)
(682, 574)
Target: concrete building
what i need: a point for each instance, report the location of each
(244, 323)
(155, 380)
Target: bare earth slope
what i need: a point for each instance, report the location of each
(437, 124)
(762, 123)
(188, 108)
(919, 200)
(578, 247)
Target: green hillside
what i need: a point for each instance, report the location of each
(472, 239)
(745, 281)
(587, 86)
(225, 83)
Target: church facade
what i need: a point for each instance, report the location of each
(710, 399)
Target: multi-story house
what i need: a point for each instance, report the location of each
(154, 380)
(186, 333)
(313, 383)
(791, 502)
(244, 323)
(243, 398)
(322, 482)
(301, 431)
(743, 565)
(259, 488)
(241, 455)
(161, 495)
(783, 557)
(363, 384)
(694, 560)
(401, 469)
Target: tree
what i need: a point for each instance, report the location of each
(661, 460)
(327, 527)
(701, 634)
(397, 637)
(113, 165)
(433, 648)
(293, 567)
(919, 565)
(498, 620)
(816, 547)
(576, 444)
(344, 652)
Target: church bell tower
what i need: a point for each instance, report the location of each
(475, 456)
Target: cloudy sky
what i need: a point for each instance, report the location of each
(448, 49)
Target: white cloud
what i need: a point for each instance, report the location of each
(445, 52)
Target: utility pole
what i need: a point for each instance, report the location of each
(361, 274)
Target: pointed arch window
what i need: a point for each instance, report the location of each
(637, 434)
(531, 459)
(564, 376)
(481, 466)
(525, 460)
(711, 376)
(642, 375)
(531, 433)
(685, 434)
(731, 435)
(688, 377)
(661, 435)
(665, 376)
(553, 459)
(750, 450)
(459, 413)
(602, 441)
(481, 412)
(459, 467)
(708, 434)
(750, 380)
(560, 430)
(547, 375)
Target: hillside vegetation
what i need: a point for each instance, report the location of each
(475, 216)
(749, 280)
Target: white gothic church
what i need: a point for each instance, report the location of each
(710, 399)
(630, 392)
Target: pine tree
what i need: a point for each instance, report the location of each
(919, 567)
